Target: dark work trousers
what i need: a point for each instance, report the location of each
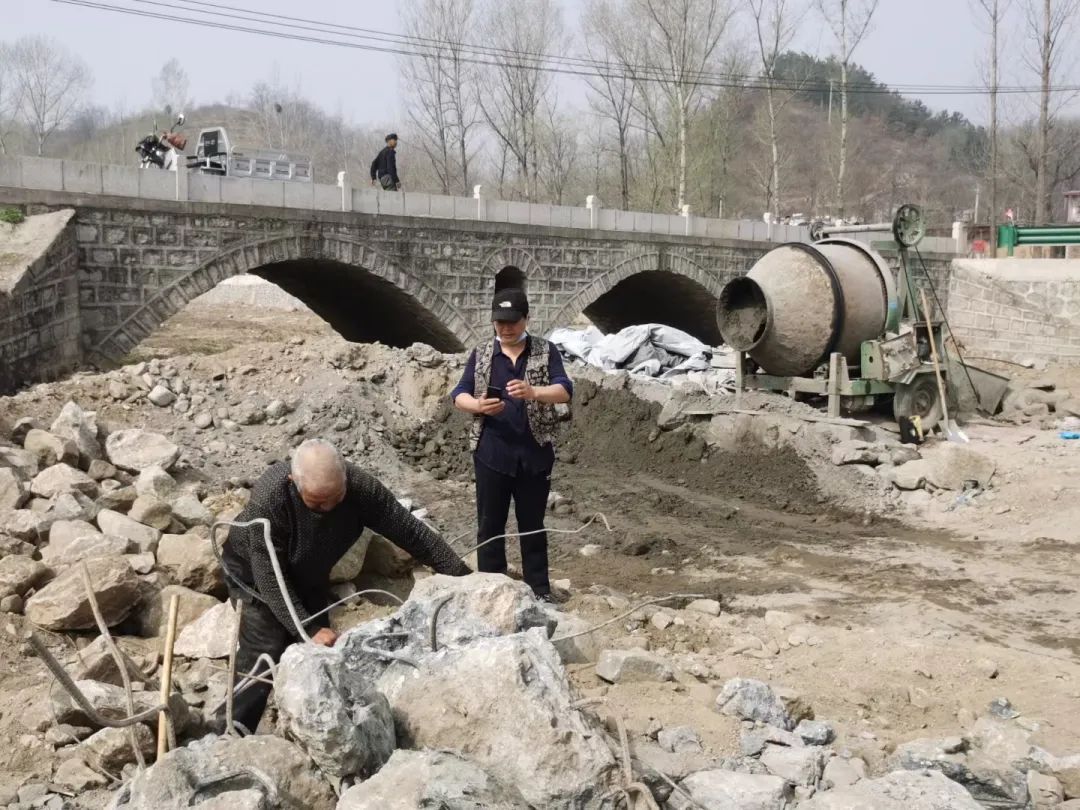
(530, 493)
(261, 632)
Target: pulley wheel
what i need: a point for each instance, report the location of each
(908, 226)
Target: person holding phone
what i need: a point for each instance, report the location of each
(511, 385)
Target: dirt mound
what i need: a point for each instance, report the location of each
(616, 430)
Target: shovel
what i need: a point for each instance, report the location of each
(948, 426)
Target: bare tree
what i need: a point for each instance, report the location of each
(606, 37)
(10, 95)
(558, 152)
(441, 86)
(1050, 24)
(514, 88)
(995, 10)
(681, 39)
(51, 83)
(849, 20)
(774, 23)
(171, 88)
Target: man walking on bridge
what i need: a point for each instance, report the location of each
(384, 166)
(511, 385)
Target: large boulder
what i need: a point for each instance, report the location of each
(210, 635)
(134, 450)
(581, 649)
(25, 524)
(536, 739)
(155, 481)
(952, 465)
(73, 549)
(350, 566)
(21, 462)
(749, 699)
(81, 428)
(143, 538)
(991, 780)
(63, 603)
(19, 574)
(97, 662)
(151, 511)
(110, 748)
(153, 611)
(474, 606)
(191, 560)
(262, 771)
(12, 492)
(413, 779)
(628, 666)
(900, 790)
(63, 533)
(719, 789)
(49, 449)
(332, 713)
(61, 478)
(190, 511)
(110, 701)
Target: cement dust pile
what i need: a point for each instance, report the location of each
(858, 625)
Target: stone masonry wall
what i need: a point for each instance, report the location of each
(1017, 309)
(136, 267)
(40, 326)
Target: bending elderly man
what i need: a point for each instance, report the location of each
(317, 507)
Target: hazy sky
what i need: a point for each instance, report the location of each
(912, 42)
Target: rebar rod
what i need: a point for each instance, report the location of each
(125, 678)
(58, 672)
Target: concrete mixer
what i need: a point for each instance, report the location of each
(830, 319)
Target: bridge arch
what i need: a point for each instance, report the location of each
(652, 287)
(361, 293)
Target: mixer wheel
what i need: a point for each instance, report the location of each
(919, 398)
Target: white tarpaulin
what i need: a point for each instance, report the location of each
(651, 349)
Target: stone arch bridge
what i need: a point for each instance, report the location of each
(130, 256)
(121, 269)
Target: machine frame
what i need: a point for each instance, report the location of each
(895, 364)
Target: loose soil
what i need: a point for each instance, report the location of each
(901, 611)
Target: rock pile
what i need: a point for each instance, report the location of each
(937, 465)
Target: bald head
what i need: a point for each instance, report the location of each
(318, 470)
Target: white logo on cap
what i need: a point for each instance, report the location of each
(505, 304)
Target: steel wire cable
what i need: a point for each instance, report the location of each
(602, 69)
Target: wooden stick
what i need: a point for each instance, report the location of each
(230, 693)
(103, 628)
(166, 675)
(937, 366)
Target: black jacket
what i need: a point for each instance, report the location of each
(309, 544)
(385, 164)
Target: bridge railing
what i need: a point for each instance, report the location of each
(50, 174)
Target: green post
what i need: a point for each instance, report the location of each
(1007, 236)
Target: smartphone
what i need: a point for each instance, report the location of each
(494, 392)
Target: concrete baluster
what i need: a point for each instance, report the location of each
(345, 184)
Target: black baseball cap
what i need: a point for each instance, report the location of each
(510, 305)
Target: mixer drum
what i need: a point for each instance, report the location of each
(799, 303)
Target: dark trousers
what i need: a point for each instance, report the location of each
(261, 632)
(494, 491)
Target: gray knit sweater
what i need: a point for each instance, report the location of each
(309, 544)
